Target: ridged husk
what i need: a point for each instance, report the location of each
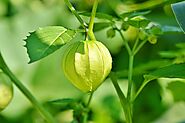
(86, 64)
(6, 91)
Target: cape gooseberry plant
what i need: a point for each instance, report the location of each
(87, 62)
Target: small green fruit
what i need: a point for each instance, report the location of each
(131, 33)
(6, 91)
(86, 64)
(152, 39)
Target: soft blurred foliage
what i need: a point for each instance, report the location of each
(161, 101)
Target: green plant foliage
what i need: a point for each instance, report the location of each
(138, 21)
(171, 71)
(111, 33)
(98, 15)
(178, 9)
(101, 25)
(46, 40)
(135, 13)
(63, 104)
(127, 28)
(176, 88)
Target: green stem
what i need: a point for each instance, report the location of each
(125, 42)
(85, 115)
(69, 5)
(46, 115)
(91, 22)
(139, 47)
(140, 89)
(130, 72)
(125, 104)
(90, 98)
(135, 44)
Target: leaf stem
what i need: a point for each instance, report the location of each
(125, 104)
(140, 46)
(125, 42)
(130, 73)
(90, 98)
(135, 44)
(91, 22)
(69, 5)
(140, 89)
(46, 115)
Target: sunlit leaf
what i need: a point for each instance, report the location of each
(46, 40)
(179, 9)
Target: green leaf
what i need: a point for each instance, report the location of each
(176, 88)
(101, 25)
(179, 9)
(154, 29)
(98, 15)
(147, 5)
(46, 40)
(171, 71)
(144, 68)
(111, 33)
(139, 21)
(63, 104)
(134, 14)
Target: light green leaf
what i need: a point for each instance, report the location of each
(176, 88)
(46, 40)
(179, 9)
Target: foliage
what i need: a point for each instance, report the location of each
(143, 37)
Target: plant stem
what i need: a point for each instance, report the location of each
(130, 72)
(125, 42)
(85, 115)
(135, 44)
(46, 115)
(91, 22)
(125, 104)
(140, 89)
(90, 98)
(69, 5)
(140, 46)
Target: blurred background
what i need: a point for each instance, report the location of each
(162, 101)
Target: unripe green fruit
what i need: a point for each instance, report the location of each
(86, 64)
(131, 33)
(6, 91)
